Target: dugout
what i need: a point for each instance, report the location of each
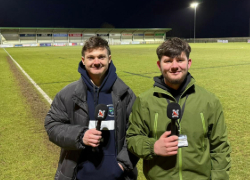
(17, 37)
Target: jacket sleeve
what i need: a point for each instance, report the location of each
(125, 158)
(59, 129)
(219, 146)
(137, 135)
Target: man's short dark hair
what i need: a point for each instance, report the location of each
(95, 42)
(173, 47)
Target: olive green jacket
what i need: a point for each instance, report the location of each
(207, 156)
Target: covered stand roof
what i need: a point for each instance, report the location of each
(83, 30)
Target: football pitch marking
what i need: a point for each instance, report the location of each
(137, 74)
(58, 82)
(30, 79)
(223, 66)
(211, 67)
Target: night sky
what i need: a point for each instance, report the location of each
(215, 18)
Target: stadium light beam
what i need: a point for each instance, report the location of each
(194, 5)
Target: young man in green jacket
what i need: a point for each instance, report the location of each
(205, 154)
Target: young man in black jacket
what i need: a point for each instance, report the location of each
(70, 122)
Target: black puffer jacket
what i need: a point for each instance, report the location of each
(68, 118)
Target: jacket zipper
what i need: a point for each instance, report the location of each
(180, 159)
(116, 144)
(180, 150)
(204, 130)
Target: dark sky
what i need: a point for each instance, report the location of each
(215, 18)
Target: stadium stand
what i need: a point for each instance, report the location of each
(18, 37)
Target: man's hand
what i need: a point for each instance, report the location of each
(92, 137)
(166, 146)
(121, 166)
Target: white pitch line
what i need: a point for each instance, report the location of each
(31, 80)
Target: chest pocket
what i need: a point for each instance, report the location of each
(194, 124)
(159, 124)
(155, 125)
(205, 138)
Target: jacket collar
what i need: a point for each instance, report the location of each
(119, 88)
(108, 81)
(189, 86)
(80, 90)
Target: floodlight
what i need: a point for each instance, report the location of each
(194, 5)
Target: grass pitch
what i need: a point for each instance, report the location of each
(220, 68)
(24, 154)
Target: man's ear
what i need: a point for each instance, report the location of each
(189, 63)
(109, 58)
(159, 64)
(83, 60)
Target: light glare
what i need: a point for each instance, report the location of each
(194, 5)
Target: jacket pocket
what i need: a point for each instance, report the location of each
(108, 168)
(155, 125)
(63, 177)
(204, 140)
(118, 174)
(69, 165)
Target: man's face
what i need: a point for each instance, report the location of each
(96, 62)
(174, 70)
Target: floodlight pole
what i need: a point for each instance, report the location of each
(194, 21)
(194, 5)
(0, 39)
(249, 27)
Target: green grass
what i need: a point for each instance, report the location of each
(221, 68)
(23, 153)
